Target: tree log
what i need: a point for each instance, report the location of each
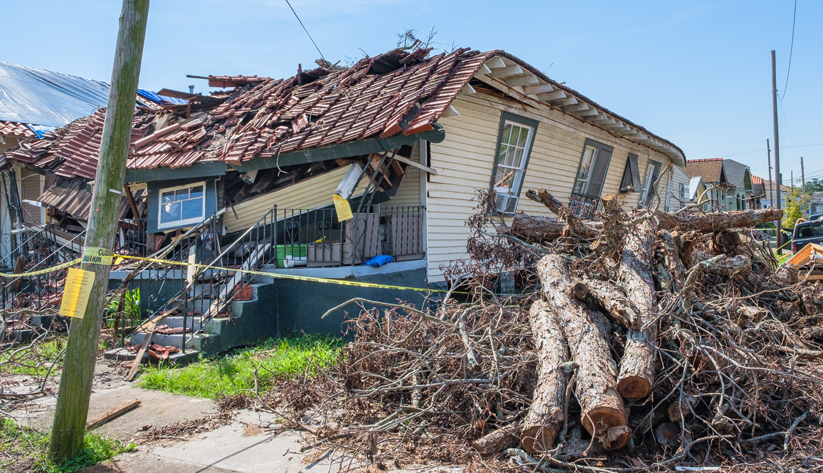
(498, 440)
(540, 229)
(575, 223)
(611, 299)
(634, 273)
(586, 331)
(546, 411)
(716, 221)
(670, 256)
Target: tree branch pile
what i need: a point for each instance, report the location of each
(636, 341)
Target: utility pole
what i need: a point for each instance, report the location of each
(777, 176)
(803, 182)
(72, 407)
(771, 184)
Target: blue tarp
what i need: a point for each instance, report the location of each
(45, 98)
(157, 98)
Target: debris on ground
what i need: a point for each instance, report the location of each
(636, 341)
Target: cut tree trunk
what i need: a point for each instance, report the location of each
(586, 330)
(611, 298)
(540, 229)
(546, 411)
(498, 440)
(634, 273)
(575, 223)
(716, 221)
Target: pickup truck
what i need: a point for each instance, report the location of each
(807, 232)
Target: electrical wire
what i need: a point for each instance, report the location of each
(791, 50)
(307, 31)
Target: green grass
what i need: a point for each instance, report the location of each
(27, 445)
(35, 361)
(234, 372)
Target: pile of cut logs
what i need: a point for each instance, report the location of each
(639, 338)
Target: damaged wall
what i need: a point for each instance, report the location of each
(311, 193)
(464, 161)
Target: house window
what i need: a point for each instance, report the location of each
(592, 171)
(649, 191)
(684, 195)
(514, 146)
(631, 175)
(182, 205)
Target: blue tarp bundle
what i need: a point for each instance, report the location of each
(45, 98)
(157, 98)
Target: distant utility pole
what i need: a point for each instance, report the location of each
(777, 176)
(72, 408)
(771, 184)
(803, 182)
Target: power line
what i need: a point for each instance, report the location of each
(791, 50)
(312, 39)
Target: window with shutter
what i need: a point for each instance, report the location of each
(649, 190)
(631, 176)
(513, 149)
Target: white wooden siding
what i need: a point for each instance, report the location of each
(311, 193)
(464, 161)
(409, 193)
(30, 185)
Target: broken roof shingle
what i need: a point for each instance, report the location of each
(16, 129)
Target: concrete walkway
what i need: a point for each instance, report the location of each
(247, 444)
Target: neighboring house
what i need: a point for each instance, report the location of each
(679, 196)
(403, 141)
(815, 203)
(713, 173)
(36, 102)
(740, 176)
(769, 197)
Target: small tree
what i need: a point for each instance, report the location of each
(796, 207)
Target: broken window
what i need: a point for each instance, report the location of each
(592, 171)
(182, 205)
(649, 191)
(514, 146)
(631, 175)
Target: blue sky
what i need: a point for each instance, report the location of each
(696, 73)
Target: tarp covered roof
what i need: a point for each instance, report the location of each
(45, 98)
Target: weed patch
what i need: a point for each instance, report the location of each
(25, 450)
(234, 372)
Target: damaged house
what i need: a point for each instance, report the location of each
(318, 174)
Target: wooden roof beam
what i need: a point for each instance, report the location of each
(523, 80)
(538, 89)
(507, 71)
(552, 96)
(495, 63)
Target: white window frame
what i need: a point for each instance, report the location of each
(648, 184)
(179, 223)
(512, 192)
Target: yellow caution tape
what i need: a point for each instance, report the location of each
(41, 271)
(95, 255)
(340, 282)
(99, 259)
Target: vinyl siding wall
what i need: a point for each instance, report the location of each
(311, 193)
(409, 193)
(679, 176)
(464, 161)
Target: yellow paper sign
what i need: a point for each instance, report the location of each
(94, 255)
(343, 208)
(76, 293)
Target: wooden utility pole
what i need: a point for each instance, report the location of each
(72, 407)
(771, 184)
(803, 183)
(777, 177)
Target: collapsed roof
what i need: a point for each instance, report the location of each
(265, 122)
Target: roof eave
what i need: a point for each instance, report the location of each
(527, 84)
